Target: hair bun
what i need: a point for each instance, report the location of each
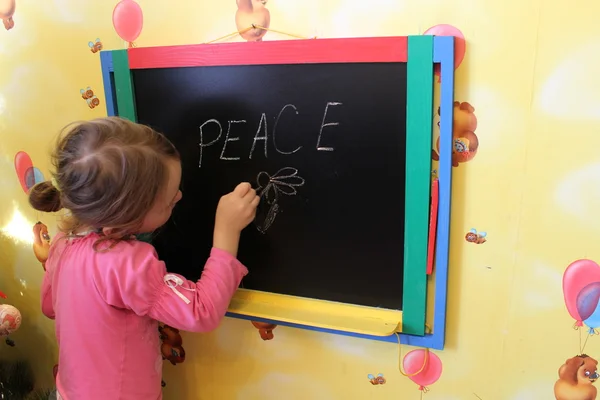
(45, 197)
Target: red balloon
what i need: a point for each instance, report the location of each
(430, 366)
(128, 20)
(578, 275)
(23, 164)
(460, 45)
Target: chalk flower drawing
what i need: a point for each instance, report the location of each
(270, 188)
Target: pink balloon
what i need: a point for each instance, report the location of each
(431, 371)
(577, 276)
(23, 164)
(460, 45)
(128, 20)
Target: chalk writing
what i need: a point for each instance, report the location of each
(202, 144)
(261, 134)
(323, 125)
(263, 119)
(270, 188)
(230, 139)
(275, 130)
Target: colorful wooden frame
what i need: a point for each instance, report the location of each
(420, 53)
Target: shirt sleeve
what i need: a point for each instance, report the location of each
(46, 292)
(46, 296)
(139, 282)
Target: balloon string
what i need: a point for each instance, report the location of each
(425, 360)
(229, 35)
(584, 343)
(280, 32)
(255, 26)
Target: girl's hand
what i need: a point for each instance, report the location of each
(234, 212)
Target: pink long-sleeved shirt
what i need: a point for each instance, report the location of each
(106, 306)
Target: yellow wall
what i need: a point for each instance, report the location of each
(530, 72)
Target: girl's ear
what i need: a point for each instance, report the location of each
(107, 231)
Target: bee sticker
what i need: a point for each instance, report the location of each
(89, 97)
(476, 237)
(95, 46)
(376, 380)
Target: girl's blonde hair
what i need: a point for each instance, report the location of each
(108, 173)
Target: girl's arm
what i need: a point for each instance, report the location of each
(41, 249)
(46, 296)
(133, 277)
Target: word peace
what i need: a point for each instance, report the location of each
(261, 134)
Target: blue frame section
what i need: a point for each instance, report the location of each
(106, 63)
(443, 53)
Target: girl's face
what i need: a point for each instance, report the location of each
(166, 199)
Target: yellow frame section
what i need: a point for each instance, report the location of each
(316, 313)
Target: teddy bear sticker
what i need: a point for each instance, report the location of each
(576, 378)
(172, 345)
(252, 19)
(465, 141)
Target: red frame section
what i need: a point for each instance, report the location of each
(433, 214)
(321, 51)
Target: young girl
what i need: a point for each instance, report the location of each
(106, 290)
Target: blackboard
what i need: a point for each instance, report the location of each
(336, 132)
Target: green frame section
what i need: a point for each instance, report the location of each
(124, 85)
(419, 125)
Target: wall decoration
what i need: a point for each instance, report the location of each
(33, 176)
(576, 378)
(23, 164)
(265, 330)
(172, 344)
(376, 380)
(588, 306)
(476, 237)
(41, 243)
(252, 19)
(466, 142)
(128, 20)
(423, 367)
(95, 46)
(7, 10)
(10, 319)
(27, 174)
(460, 45)
(90, 98)
(580, 294)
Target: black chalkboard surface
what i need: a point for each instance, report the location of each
(323, 143)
